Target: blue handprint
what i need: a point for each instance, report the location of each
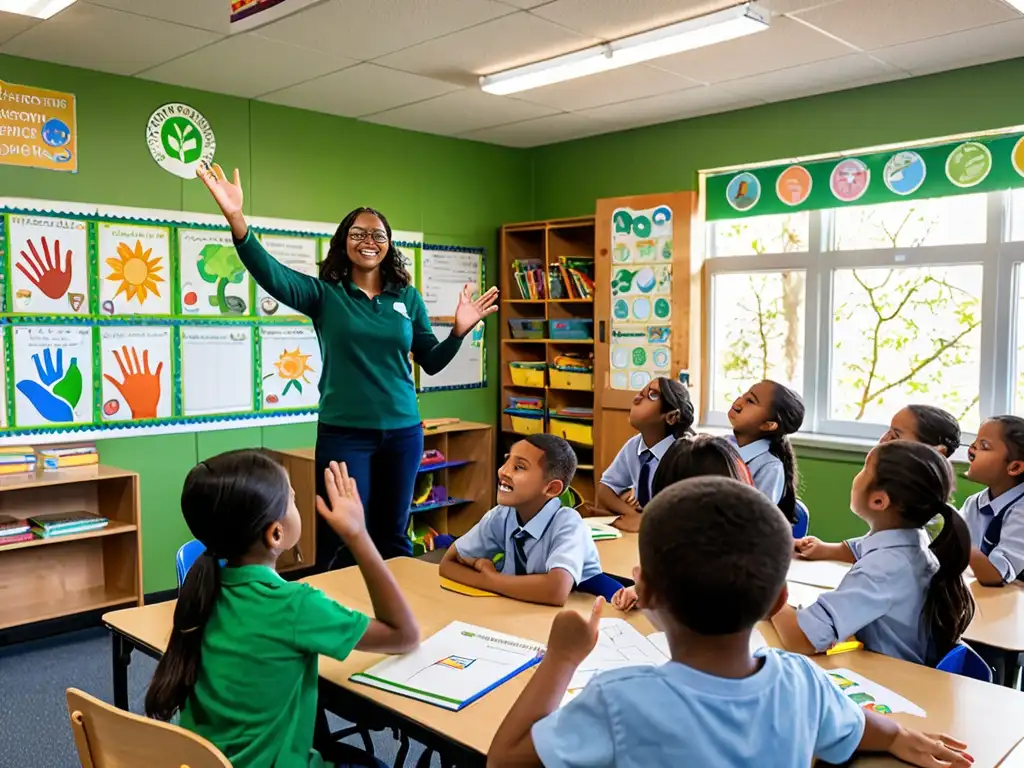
(57, 403)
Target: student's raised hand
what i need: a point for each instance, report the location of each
(573, 636)
(625, 599)
(930, 750)
(343, 509)
(809, 548)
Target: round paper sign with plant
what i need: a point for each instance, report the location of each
(180, 139)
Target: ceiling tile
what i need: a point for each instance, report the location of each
(496, 45)
(610, 19)
(872, 24)
(360, 90)
(786, 43)
(838, 74)
(542, 130)
(526, 4)
(606, 88)
(460, 112)
(12, 24)
(795, 6)
(367, 29)
(109, 41)
(960, 49)
(692, 102)
(205, 14)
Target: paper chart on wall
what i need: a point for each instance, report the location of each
(208, 351)
(291, 367)
(298, 253)
(48, 260)
(136, 367)
(466, 370)
(641, 291)
(134, 269)
(53, 375)
(872, 696)
(214, 283)
(444, 274)
(4, 341)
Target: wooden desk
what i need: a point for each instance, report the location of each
(620, 556)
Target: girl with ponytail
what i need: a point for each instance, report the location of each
(902, 597)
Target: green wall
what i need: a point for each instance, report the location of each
(294, 164)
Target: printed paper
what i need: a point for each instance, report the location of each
(619, 645)
(206, 353)
(136, 368)
(134, 269)
(213, 280)
(52, 375)
(48, 266)
(870, 695)
(817, 573)
(291, 367)
(298, 253)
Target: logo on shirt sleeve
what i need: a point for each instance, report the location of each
(400, 309)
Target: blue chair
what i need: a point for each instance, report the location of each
(188, 554)
(964, 660)
(803, 520)
(601, 585)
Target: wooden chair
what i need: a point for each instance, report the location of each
(107, 737)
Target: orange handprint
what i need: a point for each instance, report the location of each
(140, 388)
(47, 274)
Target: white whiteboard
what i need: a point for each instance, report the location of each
(444, 274)
(466, 370)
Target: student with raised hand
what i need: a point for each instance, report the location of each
(661, 412)
(714, 554)
(762, 419)
(529, 547)
(995, 516)
(902, 597)
(241, 663)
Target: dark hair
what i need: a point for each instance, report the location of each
(787, 411)
(720, 567)
(936, 427)
(676, 397)
(228, 502)
(919, 480)
(1013, 436)
(337, 266)
(559, 457)
(699, 456)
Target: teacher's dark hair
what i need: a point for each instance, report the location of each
(227, 502)
(337, 266)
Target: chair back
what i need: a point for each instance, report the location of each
(803, 520)
(188, 554)
(107, 737)
(965, 661)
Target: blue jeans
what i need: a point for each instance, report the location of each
(384, 464)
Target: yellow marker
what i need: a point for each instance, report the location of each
(462, 589)
(849, 645)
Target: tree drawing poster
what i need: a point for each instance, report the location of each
(53, 375)
(291, 366)
(207, 353)
(48, 261)
(213, 280)
(134, 267)
(298, 253)
(136, 368)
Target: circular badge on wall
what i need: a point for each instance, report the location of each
(1017, 156)
(904, 173)
(180, 139)
(743, 191)
(849, 180)
(969, 164)
(794, 185)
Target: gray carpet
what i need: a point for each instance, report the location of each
(34, 729)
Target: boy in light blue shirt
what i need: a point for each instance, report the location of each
(529, 547)
(714, 554)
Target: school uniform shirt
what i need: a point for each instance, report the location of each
(256, 692)
(624, 471)
(1007, 553)
(784, 715)
(880, 601)
(765, 467)
(556, 537)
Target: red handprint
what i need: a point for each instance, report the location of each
(47, 274)
(140, 388)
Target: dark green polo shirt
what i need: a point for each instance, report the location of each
(255, 695)
(367, 379)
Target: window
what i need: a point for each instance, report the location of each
(1016, 214)
(911, 224)
(1018, 370)
(784, 233)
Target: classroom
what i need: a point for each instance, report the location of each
(596, 249)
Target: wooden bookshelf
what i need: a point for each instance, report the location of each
(544, 241)
(64, 575)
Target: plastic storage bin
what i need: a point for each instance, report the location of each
(571, 379)
(526, 423)
(579, 432)
(521, 328)
(523, 376)
(571, 329)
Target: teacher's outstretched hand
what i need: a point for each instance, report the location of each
(227, 195)
(470, 312)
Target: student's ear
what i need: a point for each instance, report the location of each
(1015, 468)
(941, 449)
(273, 535)
(879, 500)
(672, 417)
(769, 426)
(554, 489)
(780, 601)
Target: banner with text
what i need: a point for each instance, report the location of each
(38, 128)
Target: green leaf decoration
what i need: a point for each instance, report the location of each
(220, 262)
(70, 387)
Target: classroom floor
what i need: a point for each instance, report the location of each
(34, 728)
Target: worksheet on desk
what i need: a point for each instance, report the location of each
(817, 573)
(618, 645)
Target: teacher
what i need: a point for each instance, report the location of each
(368, 319)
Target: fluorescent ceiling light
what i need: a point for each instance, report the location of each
(729, 24)
(41, 9)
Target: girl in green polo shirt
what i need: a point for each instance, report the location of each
(241, 663)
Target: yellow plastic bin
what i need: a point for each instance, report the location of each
(571, 379)
(527, 425)
(526, 377)
(579, 432)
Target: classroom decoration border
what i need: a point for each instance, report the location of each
(966, 166)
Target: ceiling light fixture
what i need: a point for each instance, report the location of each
(41, 9)
(738, 21)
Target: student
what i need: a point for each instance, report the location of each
(543, 549)
(241, 663)
(902, 597)
(995, 516)
(707, 577)
(661, 412)
(925, 424)
(762, 420)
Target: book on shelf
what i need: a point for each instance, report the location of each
(49, 524)
(13, 526)
(577, 276)
(68, 455)
(17, 454)
(529, 276)
(17, 538)
(18, 468)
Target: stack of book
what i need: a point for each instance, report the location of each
(572, 278)
(69, 455)
(52, 524)
(14, 529)
(529, 274)
(15, 459)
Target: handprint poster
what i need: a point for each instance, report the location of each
(213, 280)
(136, 368)
(207, 353)
(47, 260)
(291, 365)
(134, 269)
(53, 375)
(298, 253)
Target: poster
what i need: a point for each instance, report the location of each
(52, 375)
(445, 273)
(38, 128)
(466, 370)
(134, 269)
(213, 280)
(641, 291)
(298, 253)
(290, 368)
(136, 368)
(48, 265)
(206, 353)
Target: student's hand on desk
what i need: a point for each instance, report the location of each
(483, 565)
(343, 509)
(625, 599)
(628, 523)
(930, 750)
(810, 548)
(629, 496)
(573, 637)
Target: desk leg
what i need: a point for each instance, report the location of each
(121, 658)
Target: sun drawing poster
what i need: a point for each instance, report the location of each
(214, 283)
(136, 368)
(298, 253)
(47, 261)
(207, 353)
(53, 375)
(134, 269)
(291, 365)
